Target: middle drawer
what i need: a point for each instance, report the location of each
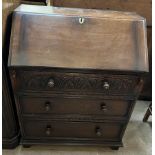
(86, 106)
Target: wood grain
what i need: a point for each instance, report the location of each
(72, 130)
(82, 61)
(70, 44)
(143, 7)
(72, 106)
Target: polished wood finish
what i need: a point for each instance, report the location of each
(67, 130)
(143, 8)
(42, 108)
(10, 128)
(36, 105)
(50, 81)
(65, 28)
(65, 97)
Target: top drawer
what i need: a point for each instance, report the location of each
(83, 83)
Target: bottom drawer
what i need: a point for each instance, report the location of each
(60, 129)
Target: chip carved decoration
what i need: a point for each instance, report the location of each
(77, 82)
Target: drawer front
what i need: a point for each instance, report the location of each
(49, 129)
(38, 105)
(58, 82)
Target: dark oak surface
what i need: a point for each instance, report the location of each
(76, 12)
(82, 83)
(35, 105)
(10, 127)
(143, 8)
(92, 95)
(59, 39)
(62, 129)
(75, 107)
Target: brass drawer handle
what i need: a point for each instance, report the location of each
(103, 107)
(106, 85)
(98, 131)
(48, 130)
(51, 83)
(47, 106)
(81, 20)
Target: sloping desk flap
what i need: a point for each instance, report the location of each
(78, 38)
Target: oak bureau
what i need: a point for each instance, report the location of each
(76, 73)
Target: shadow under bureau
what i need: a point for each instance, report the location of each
(76, 73)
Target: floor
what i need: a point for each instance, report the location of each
(137, 140)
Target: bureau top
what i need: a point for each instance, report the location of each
(78, 38)
(48, 10)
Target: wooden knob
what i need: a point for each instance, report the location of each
(47, 106)
(51, 83)
(48, 130)
(98, 131)
(106, 85)
(103, 107)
